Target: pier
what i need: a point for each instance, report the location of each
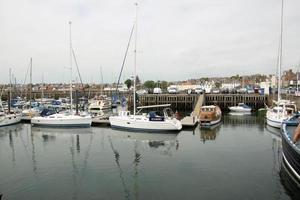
(188, 101)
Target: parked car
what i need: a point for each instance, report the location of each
(250, 91)
(172, 90)
(241, 90)
(215, 91)
(141, 92)
(157, 91)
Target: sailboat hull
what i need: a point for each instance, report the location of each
(66, 121)
(143, 124)
(10, 119)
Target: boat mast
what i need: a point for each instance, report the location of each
(30, 89)
(71, 97)
(10, 85)
(42, 97)
(135, 51)
(101, 88)
(280, 51)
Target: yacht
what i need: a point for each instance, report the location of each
(63, 120)
(96, 107)
(154, 121)
(66, 119)
(210, 115)
(7, 119)
(283, 110)
(241, 107)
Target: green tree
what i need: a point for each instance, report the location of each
(128, 83)
(164, 85)
(149, 84)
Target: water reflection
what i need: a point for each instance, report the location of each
(209, 133)
(243, 119)
(290, 183)
(10, 131)
(155, 140)
(117, 160)
(274, 132)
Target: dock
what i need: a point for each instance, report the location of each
(188, 101)
(192, 120)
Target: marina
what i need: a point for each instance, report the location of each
(99, 162)
(139, 100)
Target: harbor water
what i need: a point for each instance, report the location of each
(238, 159)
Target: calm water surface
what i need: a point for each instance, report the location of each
(239, 159)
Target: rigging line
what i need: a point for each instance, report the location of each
(124, 59)
(74, 56)
(25, 77)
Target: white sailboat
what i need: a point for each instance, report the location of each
(67, 119)
(151, 122)
(8, 118)
(283, 109)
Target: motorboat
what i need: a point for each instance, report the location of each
(241, 107)
(96, 107)
(281, 112)
(210, 115)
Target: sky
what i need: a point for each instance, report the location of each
(176, 40)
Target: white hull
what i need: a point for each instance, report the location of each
(274, 122)
(239, 109)
(10, 119)
(274, 119)
(142, 123)
(60, 120)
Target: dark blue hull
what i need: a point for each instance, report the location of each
(291, 153)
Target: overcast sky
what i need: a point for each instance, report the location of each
(177, 39)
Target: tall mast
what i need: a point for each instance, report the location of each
(297, 78)
(135, 52)
(71, 97)
(30, 89)
(10, 85)
(42, 88)
(101, 92)
(280, 51)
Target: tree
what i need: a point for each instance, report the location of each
(164, 85)
(149, 84)
(128, 83)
